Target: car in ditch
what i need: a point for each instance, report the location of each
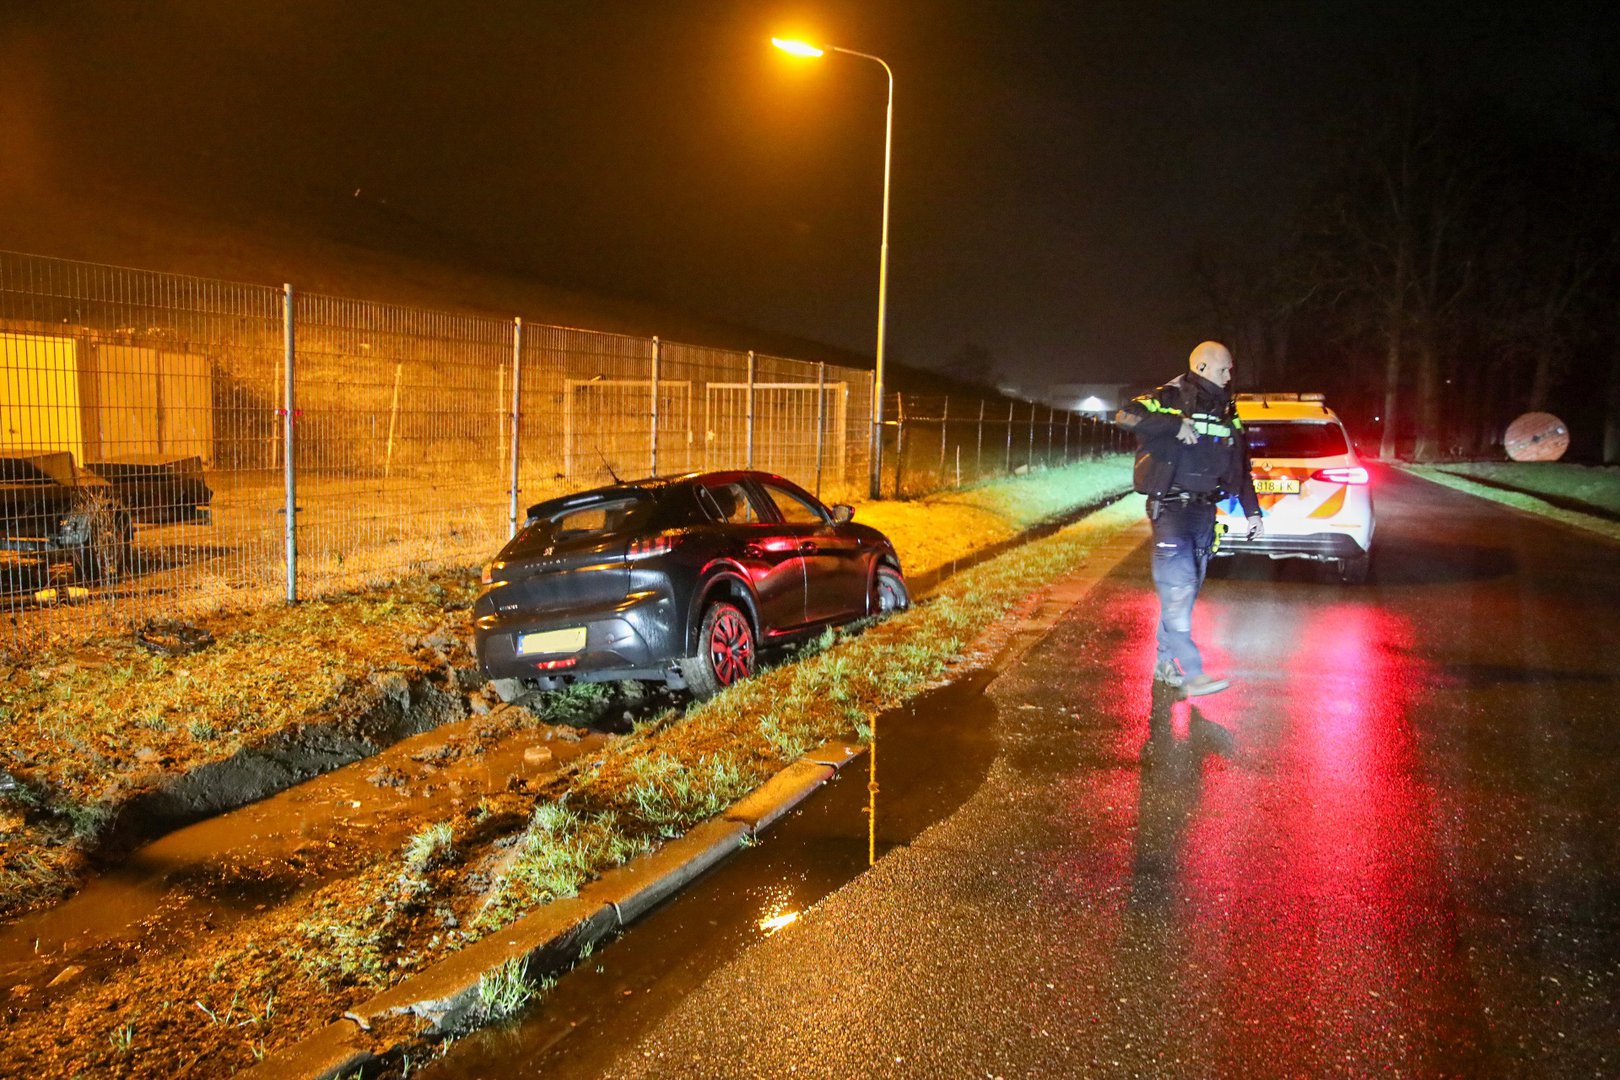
(680, 580)
(1314, 491)
(50, 508)
(159, 489)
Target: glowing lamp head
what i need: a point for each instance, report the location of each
(797, 48)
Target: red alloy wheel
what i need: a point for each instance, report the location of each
(731, 647)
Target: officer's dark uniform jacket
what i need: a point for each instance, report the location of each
(1216, 465)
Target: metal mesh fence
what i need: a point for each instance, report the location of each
(149, 461)
(138, 424)
(400, 418)
(937, 442)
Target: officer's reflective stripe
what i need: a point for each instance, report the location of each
(1205, 424)
(1152, 404)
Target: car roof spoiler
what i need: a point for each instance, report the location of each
(586, 498)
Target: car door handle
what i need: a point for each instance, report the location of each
(807, 546)
(753, 551)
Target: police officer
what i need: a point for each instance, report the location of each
(1191, 453)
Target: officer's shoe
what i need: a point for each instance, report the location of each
(1165, 672)
(1199, 685)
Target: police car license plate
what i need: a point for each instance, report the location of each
(551, 641)
(1277, 485)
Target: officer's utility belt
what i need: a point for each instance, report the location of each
(1187, 498)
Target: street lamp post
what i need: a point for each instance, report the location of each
(800, 48)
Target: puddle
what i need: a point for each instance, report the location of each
(220, 869)
(933, 754)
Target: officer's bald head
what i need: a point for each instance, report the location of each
(1212, 361)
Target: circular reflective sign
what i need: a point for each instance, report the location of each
(1537, 436)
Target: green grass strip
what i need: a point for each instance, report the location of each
(1519, 500)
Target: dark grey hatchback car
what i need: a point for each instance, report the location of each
(675, 579)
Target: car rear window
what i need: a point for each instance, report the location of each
(610, 517)
(1296, 439)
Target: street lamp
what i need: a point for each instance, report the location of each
(800, 48)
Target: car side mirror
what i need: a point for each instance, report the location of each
(843, 514)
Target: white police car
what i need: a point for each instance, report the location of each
(1314, 493)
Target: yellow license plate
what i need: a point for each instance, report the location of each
(551, 641)
(1278, 485)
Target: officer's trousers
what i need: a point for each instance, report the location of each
(1183, 534)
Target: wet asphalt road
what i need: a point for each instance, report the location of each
(1391, 848)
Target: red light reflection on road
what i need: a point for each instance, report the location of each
(1314, 881)
(1281, 900)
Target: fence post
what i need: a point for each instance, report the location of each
(1008, 469)
(1029, 457)
(657, 349)
(393, 421)
(289, 537)
(978, 459)
(517, 374)
(748, 428)
(899, 441)
(821, 417)
(944, 425)
(1050, 422)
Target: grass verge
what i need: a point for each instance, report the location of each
(1575, 484)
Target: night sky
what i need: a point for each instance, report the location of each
(1055, 164)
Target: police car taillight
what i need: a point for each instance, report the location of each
(1349, 474)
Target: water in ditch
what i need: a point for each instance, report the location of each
(932, 756)
(208, 875)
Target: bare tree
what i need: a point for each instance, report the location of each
(1392, 247)
(1251, 301)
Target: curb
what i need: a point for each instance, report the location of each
(445, 996)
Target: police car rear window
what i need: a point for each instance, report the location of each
(1295, 439)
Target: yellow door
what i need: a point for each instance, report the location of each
(39, 395)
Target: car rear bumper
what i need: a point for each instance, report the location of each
(633, 638)
(1327, 545)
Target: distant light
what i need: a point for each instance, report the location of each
(777, 922)
(796, 48)
(1093, 404)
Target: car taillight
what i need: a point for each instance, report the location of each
(1348, 474)
(662, 544)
